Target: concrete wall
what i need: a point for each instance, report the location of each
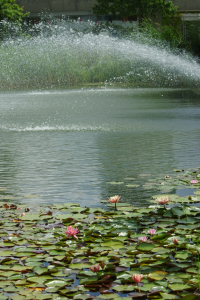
(187, 5)
(65, 7)
(84, 7)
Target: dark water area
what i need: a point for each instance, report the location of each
(71, 145)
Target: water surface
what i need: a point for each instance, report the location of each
(66, 145)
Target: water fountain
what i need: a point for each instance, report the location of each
(60, 143)
(66, 53)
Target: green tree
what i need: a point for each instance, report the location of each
(10, 11)
(142, 8)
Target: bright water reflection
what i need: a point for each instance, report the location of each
(66, 145)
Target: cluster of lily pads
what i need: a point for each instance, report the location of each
(65, 251)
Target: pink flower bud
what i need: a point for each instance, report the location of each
(137, 277)
(152, 231)
(102, 265)
(142, 238)
(95, 268)
(175, 241)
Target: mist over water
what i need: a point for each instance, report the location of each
(66, 53)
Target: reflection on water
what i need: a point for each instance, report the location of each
(65, 146)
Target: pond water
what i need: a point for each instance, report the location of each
(67, 145)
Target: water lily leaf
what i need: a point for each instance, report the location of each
(17, 297)
(21, 268)
(2, 297)
(132, 185)
(145, 246)
(79, 216)
(157, 275)
(180, 286)
(6, 253)
(181, 255)
(6, 197)
(160, 236)
(132, 215)
(65, 205)
(123, 288)
(169, 296)
(83, 297)
(31, 196)
(8, 273)
(177, 211)
(39, 279)
(115, 182)
(112, 243)
(79, 209)
(55, 282)
(148, 286)
(161, 250)
(21, 282)
(52, 289)
(111, 296)
(190, 297)
(30, 217)
(192, 270)
(90, 280)
(80, 266)
(42, 296)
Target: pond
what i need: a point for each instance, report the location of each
(84, 145)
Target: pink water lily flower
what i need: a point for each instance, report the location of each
(194, 181)
(163, 200)
(114, 199)
(95, 268)
(142, 238)
(175, 241)
(152, 231)
(137, 277)
(72, 231)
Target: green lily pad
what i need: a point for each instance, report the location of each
(132, 185)
(145, 246)
(180, 286)
(115, 182)
(157, 275)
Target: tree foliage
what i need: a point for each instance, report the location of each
(141, 8)
(10, 11)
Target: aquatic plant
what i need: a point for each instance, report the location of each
(163, 200)
(152, 231)
(95, 268)
(137, 277)
(142, 238)
(72, 232)
(114, 199)
(194, 181)
(39, 261)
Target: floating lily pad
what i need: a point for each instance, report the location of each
(115, 182)
(132, 185)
